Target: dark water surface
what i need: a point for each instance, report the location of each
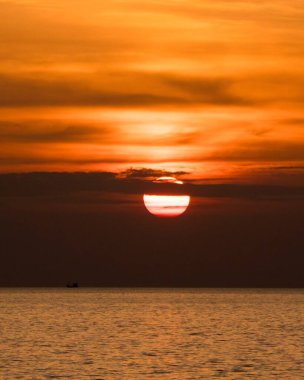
(151, 334)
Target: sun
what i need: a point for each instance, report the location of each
(166, 205)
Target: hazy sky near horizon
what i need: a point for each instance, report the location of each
(212, 88)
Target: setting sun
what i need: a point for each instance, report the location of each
(166, 205)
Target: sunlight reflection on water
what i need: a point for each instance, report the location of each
(151, 334)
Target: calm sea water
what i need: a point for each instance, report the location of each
(151, 334)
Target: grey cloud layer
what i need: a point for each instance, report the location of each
(33, 184)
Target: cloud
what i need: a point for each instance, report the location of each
(26, 91)
(261, 131)
(29, 159)
(127, 89)
(63, 184)
(130, 89)
(51, 132)
(208, 90)
(297, 121)
(234, 10)
(132, 173)
(290, 167)
(268, 151)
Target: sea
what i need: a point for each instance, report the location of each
(143, 334)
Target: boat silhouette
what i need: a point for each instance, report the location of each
(72, 285)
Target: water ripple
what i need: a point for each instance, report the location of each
(151, 334)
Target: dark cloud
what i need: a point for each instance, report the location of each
(33, 184)
(27, 91)
(207, 91)
(178, 90)
(288, 167)
(94, 132)
(268, 151)
(50, 132)
(139, 89)
(27, 159)
(149, 173)
(247, 191)
(297, 121)
(260, 131)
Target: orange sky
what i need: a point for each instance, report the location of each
(214, 88)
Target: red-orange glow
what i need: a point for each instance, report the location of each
(166, 205)
(174, 86)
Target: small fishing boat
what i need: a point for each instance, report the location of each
(72, 285)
